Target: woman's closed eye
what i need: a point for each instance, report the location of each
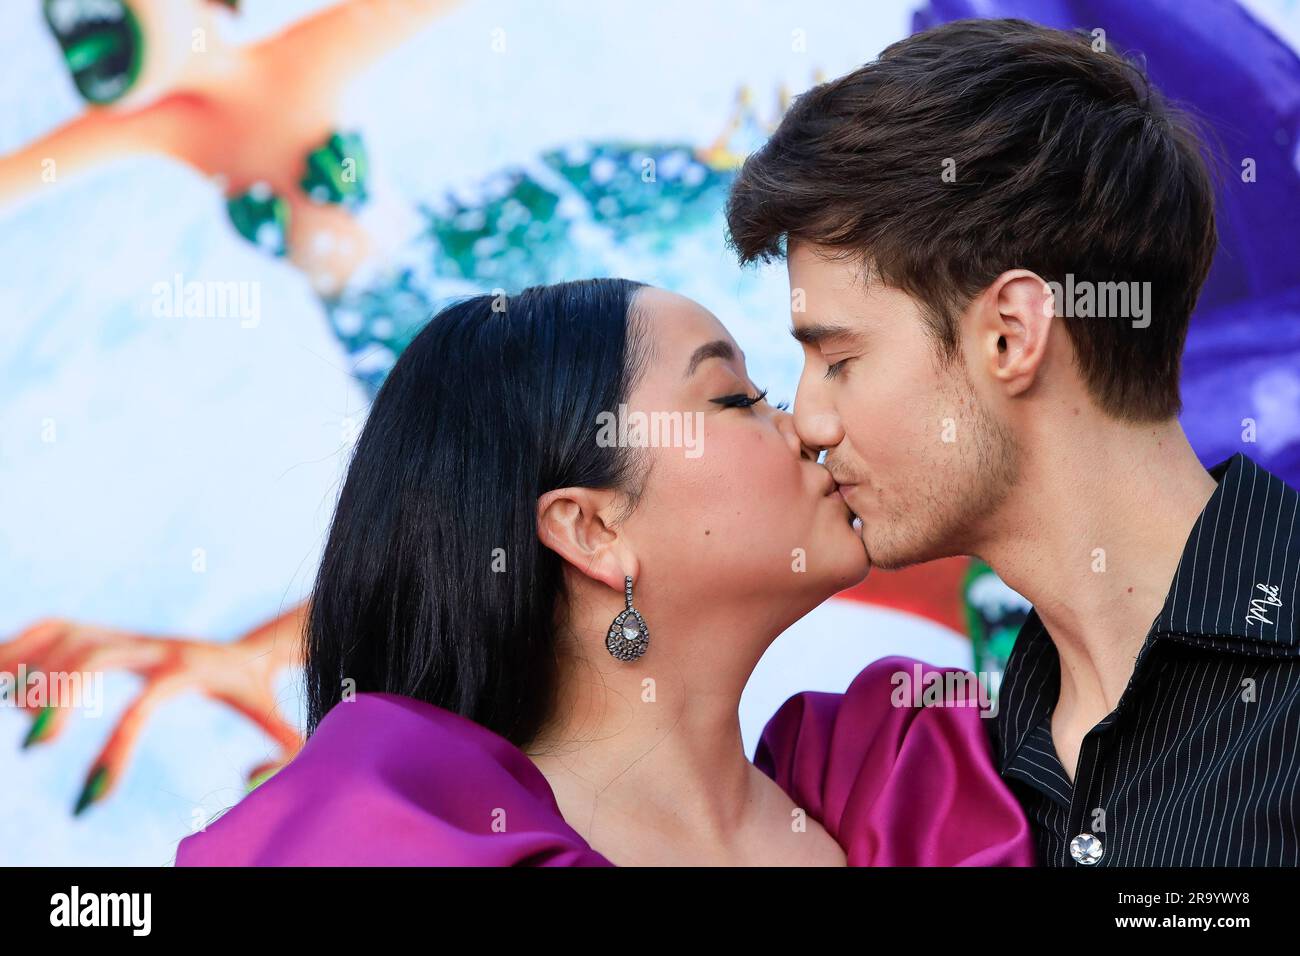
(740, 399)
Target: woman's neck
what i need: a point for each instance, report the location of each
(646, 745)
(646, 758)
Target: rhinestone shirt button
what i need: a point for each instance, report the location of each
(1086, 849)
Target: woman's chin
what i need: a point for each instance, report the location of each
(812, 591)
(848, 566)
(851, 554)
(857, 576)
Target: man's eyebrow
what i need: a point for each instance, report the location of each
(820, 331)
(719, 348)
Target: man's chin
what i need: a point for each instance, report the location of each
(889, 564)
(889, 556)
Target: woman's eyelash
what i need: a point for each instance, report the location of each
(783, 406)
(740, 400)
(834, 368)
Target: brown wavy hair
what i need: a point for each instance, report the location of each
(1064, 159)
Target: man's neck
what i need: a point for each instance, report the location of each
(1092, 537)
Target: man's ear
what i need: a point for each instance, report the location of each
(1014, 317)
(575, 524)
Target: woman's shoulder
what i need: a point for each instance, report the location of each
(388, 780)
(898, 768)
(888, 694)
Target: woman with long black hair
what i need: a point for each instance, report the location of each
(569, 530)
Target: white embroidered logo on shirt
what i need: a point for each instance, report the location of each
(1259, 606)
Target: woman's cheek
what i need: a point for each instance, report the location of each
(770, 481)
(742, 473)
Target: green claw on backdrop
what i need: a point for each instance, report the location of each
(258, 779)
(39, 726)
(93, 790)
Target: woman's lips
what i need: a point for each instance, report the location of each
(844, 491)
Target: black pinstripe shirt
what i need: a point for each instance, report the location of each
(1199, 762)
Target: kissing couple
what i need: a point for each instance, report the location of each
(527, 646)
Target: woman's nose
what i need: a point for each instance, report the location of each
(785, 422)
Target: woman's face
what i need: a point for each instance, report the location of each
(732, 506)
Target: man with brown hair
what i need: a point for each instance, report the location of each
(996, 234)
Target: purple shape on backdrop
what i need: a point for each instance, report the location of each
(1243, 350)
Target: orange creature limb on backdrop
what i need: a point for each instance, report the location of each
(245, 116)
(240, 674)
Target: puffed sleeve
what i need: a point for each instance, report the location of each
(898, 772)
(391, 781)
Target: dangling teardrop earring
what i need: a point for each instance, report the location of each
(628, 636)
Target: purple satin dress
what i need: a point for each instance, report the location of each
(387, 780)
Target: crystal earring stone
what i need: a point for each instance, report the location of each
(628, 636)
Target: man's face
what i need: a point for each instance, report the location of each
(923, 461)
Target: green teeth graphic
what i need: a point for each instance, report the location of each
(992, 628)
(337, 171)
(84, 53)
(103, 54)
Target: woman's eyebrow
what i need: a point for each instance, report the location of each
(719, 348)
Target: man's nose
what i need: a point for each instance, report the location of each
(817, 423)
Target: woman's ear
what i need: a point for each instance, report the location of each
(574, 523)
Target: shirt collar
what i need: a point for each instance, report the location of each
(1247, 535)
(1029, 688)
(1235, 587)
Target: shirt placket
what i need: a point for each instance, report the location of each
(1091, 841)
